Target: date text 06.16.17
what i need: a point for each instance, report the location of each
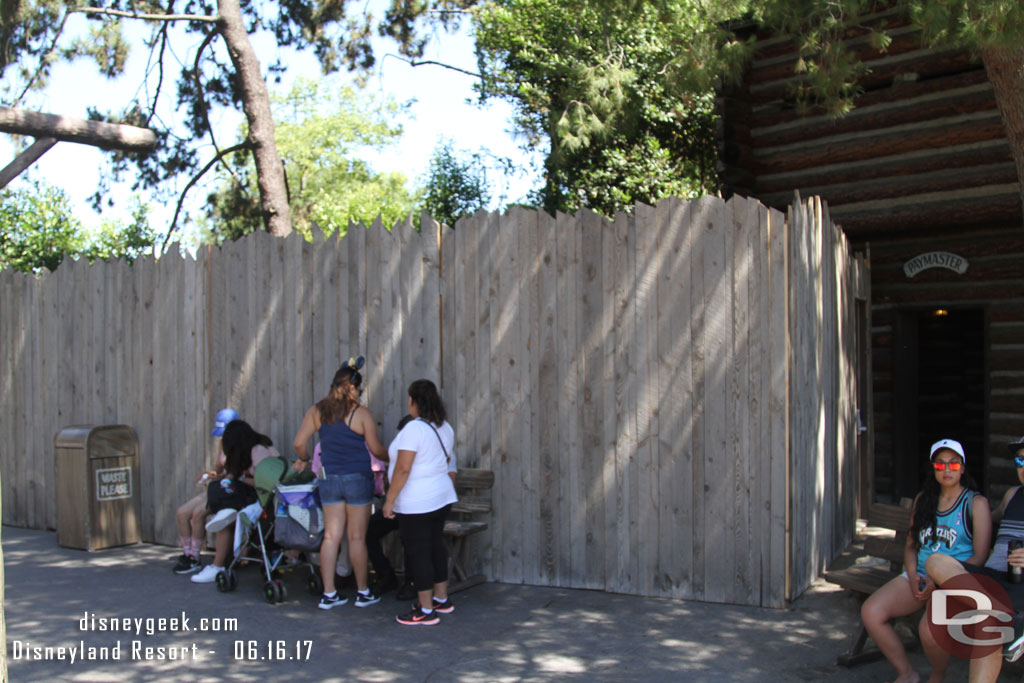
(281, 650)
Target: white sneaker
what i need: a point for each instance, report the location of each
(208, 574)
(221, 520)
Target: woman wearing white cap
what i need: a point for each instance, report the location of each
(950, 518)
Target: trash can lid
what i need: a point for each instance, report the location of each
(101, 440)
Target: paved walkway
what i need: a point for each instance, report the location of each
(499, 632)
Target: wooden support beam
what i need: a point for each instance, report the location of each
(25, 159)
(95, 133)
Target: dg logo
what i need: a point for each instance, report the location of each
(971, 616)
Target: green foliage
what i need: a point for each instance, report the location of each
(320, 130)
(981, 23)
(118, 240)
(37, 228)
(456, 184)
(831, 69)
(621, 92)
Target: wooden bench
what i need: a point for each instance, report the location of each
(474, 489)
(864, 580)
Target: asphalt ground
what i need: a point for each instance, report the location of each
(171, 629)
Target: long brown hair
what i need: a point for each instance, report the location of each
(338, 403)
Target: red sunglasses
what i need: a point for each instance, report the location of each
(954, 466)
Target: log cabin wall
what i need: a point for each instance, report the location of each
(921, 164)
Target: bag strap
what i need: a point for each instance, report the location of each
(447, 458)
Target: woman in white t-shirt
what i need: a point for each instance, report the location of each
(420, 497)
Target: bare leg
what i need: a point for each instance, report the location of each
(894, 599)
(186, 512)
(198, 522)
(358, 519)
(222, 545)
(426, 598)
(441, 591)
(941, 568)
(334, 527)
(986, 669)
(938, 657)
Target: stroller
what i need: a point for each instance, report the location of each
(287, 516)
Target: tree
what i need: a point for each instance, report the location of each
(320, 129)
(116, 240)
(622, 92)
(37, 228)
(32, 39)
(456, 184)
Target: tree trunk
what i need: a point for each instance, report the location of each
(1005, 67)
(256, 104)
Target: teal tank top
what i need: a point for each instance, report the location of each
(953, 533)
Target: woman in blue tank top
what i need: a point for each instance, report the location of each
(347, 431)
(949, 518)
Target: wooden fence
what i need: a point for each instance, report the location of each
(665, 399)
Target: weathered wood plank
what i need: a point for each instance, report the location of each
(508, 398)
(649, 393)
(553, 526)
(594, 328)
(702, 217)
(527, 367)
(571, 451)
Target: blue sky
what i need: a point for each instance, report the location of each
(442, 108)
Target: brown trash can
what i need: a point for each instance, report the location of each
(97, 472)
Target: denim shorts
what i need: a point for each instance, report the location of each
(353, 489)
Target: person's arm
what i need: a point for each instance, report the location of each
(369, 427)
(453, 467)
(403, 466)
(981, 530)
(302, 437)
(910, 561)
(1000, 510)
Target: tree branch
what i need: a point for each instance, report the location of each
(144, 16)
(202, 97)
(181, 199)
(43, 60)
(424, 62)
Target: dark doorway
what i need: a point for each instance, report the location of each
(939, 392)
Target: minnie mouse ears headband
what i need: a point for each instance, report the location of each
(356, 363)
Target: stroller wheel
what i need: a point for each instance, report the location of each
(315, 584)
(272, 591)
(282, 592)
(232, 579)
(223, 584)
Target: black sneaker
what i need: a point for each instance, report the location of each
(417, 618)
(445, 607)
(187, 564)
(406, 592)
(1013, 650)
(366, 600)
(329, 602)
(382, 586)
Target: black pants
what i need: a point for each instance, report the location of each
(423, 538)
(380, 526)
